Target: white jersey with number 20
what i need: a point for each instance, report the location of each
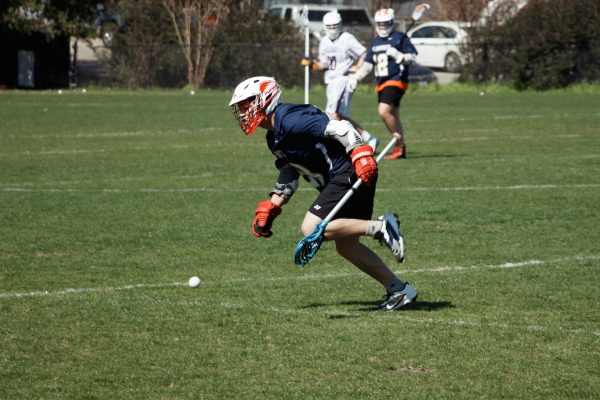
(339, 54)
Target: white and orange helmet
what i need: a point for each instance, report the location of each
(253, 100)
(384, 22)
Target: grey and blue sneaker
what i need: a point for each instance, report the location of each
(397, 300)
(390, 235)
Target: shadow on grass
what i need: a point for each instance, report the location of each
(370, 306)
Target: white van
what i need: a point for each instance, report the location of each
(355, 20)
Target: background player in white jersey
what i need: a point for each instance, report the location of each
(389, 56)
(338, 53)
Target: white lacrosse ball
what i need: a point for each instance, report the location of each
(194, 281)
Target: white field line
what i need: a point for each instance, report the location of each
(262, 189)
(482, 188)
(69, 291)
(445, 268)
(433, 321)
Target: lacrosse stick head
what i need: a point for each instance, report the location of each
(309, 245)
(419, 10)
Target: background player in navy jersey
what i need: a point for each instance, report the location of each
(339, 52)
(330, 155)
(389, 56)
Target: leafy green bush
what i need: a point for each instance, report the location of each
(548, 44)
(144, 52)
(257, 44)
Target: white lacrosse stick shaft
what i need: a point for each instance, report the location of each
(359, 182)
(306, 54)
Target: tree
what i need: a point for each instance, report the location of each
(462, 10)
(547, 44)
(144, 53)
(196, 23)
(257, 44)
(52, 17)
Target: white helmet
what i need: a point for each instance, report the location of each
(253, 100)
(384, 22)
(332, 22)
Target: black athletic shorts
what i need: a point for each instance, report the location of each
(390, 95)
(359, 206)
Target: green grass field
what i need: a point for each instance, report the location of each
(111, 200)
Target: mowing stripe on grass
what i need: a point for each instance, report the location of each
(441, 321)
(485, 138)
(491, 118)
(83, 135)
(241, 190)
(448, 268)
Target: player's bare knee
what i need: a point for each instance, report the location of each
(309, 223)
(306, 230)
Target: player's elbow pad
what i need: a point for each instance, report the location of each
(286, 184)
(285, 190)
(344, 132)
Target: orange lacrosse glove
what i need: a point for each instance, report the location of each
(305, 62)
(364, 163)
(264, 216)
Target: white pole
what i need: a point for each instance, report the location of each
(306, 54)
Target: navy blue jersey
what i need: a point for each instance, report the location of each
(384, 67)
(298, 140)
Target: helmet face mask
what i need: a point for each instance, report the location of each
(248, 114)
(384, 22)
(332, 22)
(253, 100)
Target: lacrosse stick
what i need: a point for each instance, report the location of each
(417, 14)
(309, 245)
(306, 54)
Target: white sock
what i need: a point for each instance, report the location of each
(373, 227)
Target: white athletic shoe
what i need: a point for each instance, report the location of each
(390, 235)
(397, 300)
(373, 142)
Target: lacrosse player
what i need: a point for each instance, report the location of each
(339, 53)
(331, 156)
(389, 56)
